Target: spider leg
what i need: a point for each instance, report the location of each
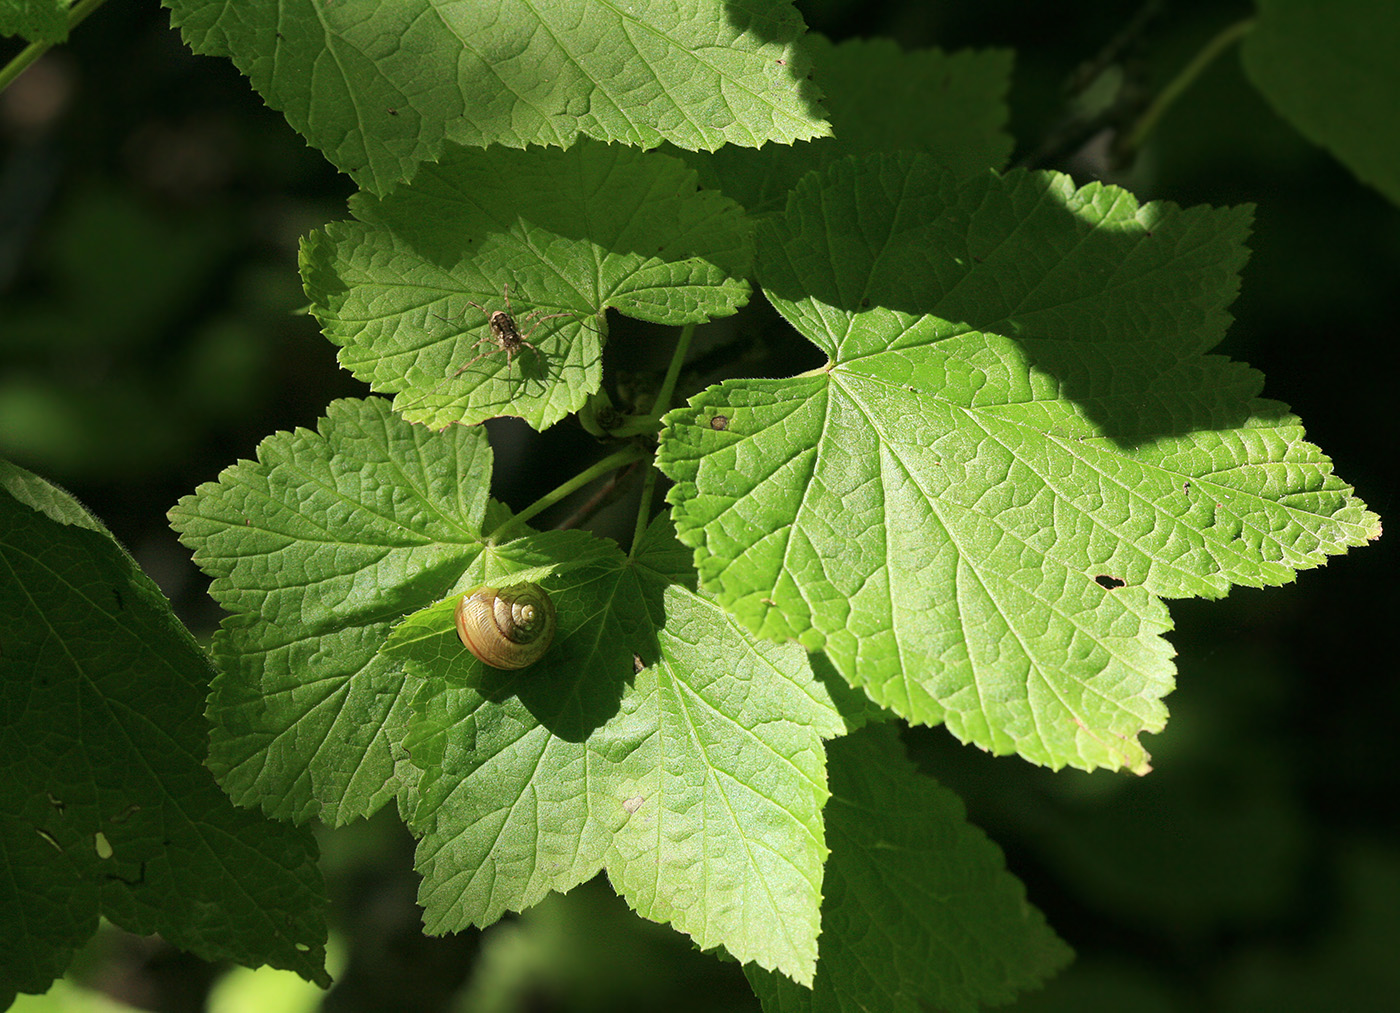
(505, 294)
(539, 356)
(535, 322)
(476, 305)
(477, 358)
(507, 337)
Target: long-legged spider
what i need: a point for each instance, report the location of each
(504, 334)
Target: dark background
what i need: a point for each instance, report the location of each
(150, 208)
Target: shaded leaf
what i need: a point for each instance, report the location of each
(553, 237)
(920, 911)
(949, 106)
(1330, 70)
(35, 20)
(380, 88)
(105, 806)
(1017, 416)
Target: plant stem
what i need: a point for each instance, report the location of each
(636, 425)
(660, 408)
(610, 490)
(668, 385)
(1183, 80)
(26, 56)
(643, 511)
(620, 459)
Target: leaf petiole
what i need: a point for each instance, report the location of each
(635, 425)
(1147, 122)
(673, 371)
(620, 459)
(662, 406)
(26, 56)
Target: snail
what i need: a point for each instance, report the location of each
(506, 627)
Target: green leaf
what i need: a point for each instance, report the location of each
(920, 911)
(566, 235)
(317, 549)
(732, 851)
(656, 738)
(1330, 70)
(950, 106)
(380, 88)
(35, 20)
(1017, 448)
(105, 806)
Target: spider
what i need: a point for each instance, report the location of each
(504, 334)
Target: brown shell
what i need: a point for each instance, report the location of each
(506, 627)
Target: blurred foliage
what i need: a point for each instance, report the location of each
(150, 334)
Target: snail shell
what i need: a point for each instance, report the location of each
(506, 627)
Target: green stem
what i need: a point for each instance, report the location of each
(34, 50)
(620, 459)
(660, 408)
(643, 511)
(636, 425)
(668, 385)
(1147, 122)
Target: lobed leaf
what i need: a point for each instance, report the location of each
(106, 809)
(316, 550)
(1017, 447)
(920, 911)
(381, 88)
(655, 739)
(555, 237)
(724, 837)
(949, 106)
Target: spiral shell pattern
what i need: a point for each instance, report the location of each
(506, 627)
